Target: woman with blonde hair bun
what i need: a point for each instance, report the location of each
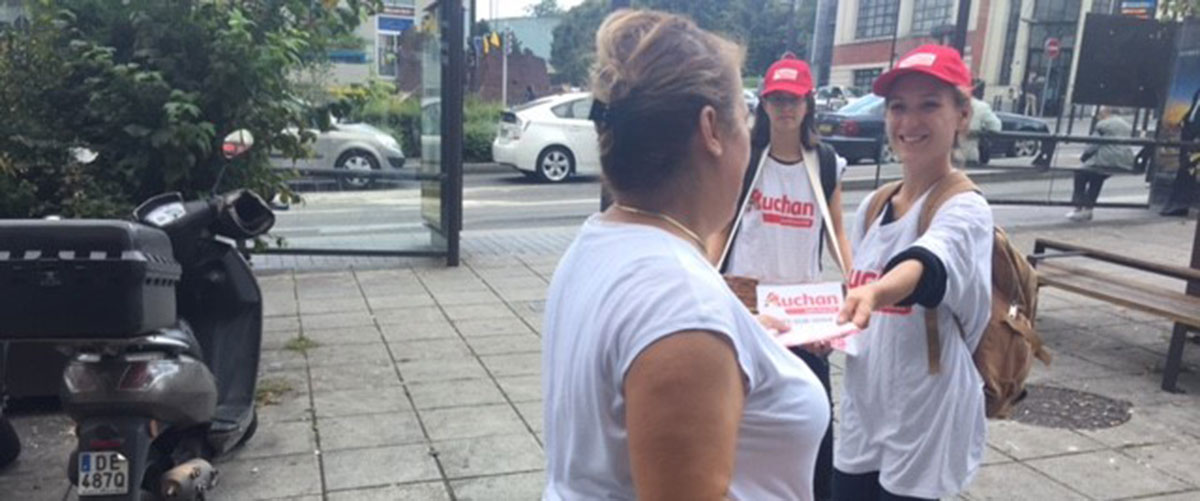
(658, 383)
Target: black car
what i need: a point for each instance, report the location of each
(856, 132)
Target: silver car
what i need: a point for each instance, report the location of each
(350, 146)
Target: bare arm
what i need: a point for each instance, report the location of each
(684, 396)
(892, 288)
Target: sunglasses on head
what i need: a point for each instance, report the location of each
(783, 99)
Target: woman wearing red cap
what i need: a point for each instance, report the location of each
(912, 416)
(777, 239)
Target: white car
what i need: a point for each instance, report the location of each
(549, 138)
(751, 98)
(351, 146)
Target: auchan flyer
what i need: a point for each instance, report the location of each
(811, 310)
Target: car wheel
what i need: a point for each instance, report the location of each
(555, 164)
(1025, 148)
(360, 160)
(886, 155)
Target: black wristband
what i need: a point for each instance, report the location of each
(931, 289)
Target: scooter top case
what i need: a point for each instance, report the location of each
(80, 280)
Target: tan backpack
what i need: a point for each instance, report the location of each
(1009, 344)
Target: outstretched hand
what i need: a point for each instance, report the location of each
(860, 302)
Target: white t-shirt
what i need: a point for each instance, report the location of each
(779, 240)
(924, 433)
(621, 287)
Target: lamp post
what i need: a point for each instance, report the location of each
(791, 34)
(960, 27)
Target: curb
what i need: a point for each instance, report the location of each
(486, 168)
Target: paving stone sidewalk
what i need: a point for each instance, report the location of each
(422, 383)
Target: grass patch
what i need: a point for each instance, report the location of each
(300, 344)
(271, 390)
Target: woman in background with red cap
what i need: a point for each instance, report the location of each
(778, 239)
(912, 422)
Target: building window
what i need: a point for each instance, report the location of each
(388, 56)
(1056, 10)
(929, 14)
(877, 18)
(863, 79)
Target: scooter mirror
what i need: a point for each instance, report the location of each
(236, 143)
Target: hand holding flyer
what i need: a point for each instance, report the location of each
(811, 311)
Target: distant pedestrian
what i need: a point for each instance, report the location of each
(1100, 160)
(1184, 186)
(529, 95)
(975, 146)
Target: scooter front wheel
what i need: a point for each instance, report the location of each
(10, 443)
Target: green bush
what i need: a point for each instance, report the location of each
(402, 118)
(477, 141)
(152, 88)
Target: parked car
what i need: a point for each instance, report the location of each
(352, 146)
(549, 138)
(856, 131)
(751, 99)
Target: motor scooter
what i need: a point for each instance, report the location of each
(161, 318)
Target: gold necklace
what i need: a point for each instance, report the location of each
(670, 220)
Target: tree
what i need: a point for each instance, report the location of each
(1178, 9)
(574, 46)
(544, 8)
(760, 25)
(153, 87)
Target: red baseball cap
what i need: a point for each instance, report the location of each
(789, 75)
(938, 61)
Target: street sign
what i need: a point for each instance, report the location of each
(1052, 48)
(1144, 9)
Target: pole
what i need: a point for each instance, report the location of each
(504, 69)
(1085, 6)
(791, 40)
(892, 51)
(453, 75)
(1045, 86)
(960, 27)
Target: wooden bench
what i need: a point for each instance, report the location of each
(1064, 265)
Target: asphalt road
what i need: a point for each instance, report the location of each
(500, 200)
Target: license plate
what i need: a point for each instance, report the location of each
(103, 473)
(825, 128)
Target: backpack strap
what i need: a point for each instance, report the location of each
(758, 156)
(827, 169)
(949, 186)
(827, 158)
(880, 200)
(822, 196)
